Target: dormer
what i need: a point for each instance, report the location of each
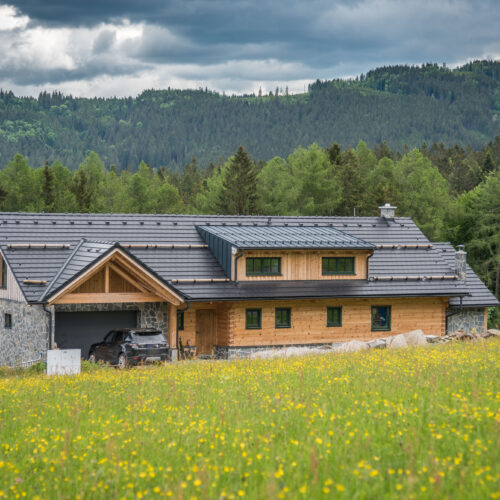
(260, 253)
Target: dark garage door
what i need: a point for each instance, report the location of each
(79, 330)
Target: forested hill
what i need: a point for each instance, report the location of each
(401, 105)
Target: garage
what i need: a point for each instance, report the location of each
(79, 330)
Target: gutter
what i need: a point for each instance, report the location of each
(368, 266)
(238, 256)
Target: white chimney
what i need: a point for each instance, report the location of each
(461, 263)
(387, 211)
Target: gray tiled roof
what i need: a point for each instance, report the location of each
(285, 236)
(479, 295)
(82, 256)
(246, 290)
(54, 265)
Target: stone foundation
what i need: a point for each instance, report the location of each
(241, 352)
(469, 320)
(27, 341)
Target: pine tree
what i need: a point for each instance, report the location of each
(488, 165)
(190, 182)
(48, 189)
(3, 196)
(334, 153)
(81, 189)
(239, 187)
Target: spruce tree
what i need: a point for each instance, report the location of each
(238, 195)
(81, 189)
(48, 189)
(488, 165)
(3, 196)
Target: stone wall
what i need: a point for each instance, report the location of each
(27, 341)
(468, 319)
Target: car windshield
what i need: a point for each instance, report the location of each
(149, 337)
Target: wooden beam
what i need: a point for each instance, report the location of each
(155, 284)
(127, 278)
(164, 294)
(38, 245)
(172, 326)
(106, 279)
(103, 298)
(34, 282)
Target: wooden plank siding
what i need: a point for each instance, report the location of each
(13, 290)
(304, 264)
(309, 321)
(188, 335)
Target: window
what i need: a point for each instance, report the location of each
(337, 265)
(254, 319)
(381, 318)
(108, 339)
(283, 317)
(3, 274)
(8, 320)
(333, 316)
(263, 266)
(180, 320)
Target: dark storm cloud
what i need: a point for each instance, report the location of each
(313, 39)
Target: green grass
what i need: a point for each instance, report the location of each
(415, 423)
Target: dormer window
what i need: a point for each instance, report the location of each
(3, 274)
(337, 265)
(263, 266)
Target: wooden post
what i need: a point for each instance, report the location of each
(106, 279)
(172, 331)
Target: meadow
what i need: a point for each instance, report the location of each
(415, 423)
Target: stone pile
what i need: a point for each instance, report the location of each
(415, 338)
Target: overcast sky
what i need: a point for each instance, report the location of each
(121, 47)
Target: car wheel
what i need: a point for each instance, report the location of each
(122, 362)
(92, 358)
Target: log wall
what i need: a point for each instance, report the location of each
(309, 321)
(304, 264)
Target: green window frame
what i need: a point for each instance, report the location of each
(381, 318)
(180, 320)
(263, 266)
(253, 319)
(3, 270)
(283, 317)
(337, 265)
(333, 316)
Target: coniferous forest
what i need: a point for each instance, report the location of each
(401, 105)
(421, 138)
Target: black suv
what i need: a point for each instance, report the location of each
(130, 346)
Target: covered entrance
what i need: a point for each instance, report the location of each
(113, 276)
(79, 330)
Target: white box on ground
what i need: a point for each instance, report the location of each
(63, 361)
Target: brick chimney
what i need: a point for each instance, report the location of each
(461, 263)
(387, 211)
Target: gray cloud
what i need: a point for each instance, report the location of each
(242, 43)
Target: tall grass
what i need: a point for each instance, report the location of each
(416, 423)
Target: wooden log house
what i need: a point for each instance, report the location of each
(226, 286)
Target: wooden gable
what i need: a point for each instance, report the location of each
(115, 279)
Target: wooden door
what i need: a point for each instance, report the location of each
(205, 331)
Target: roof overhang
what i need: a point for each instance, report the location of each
(151, 287)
